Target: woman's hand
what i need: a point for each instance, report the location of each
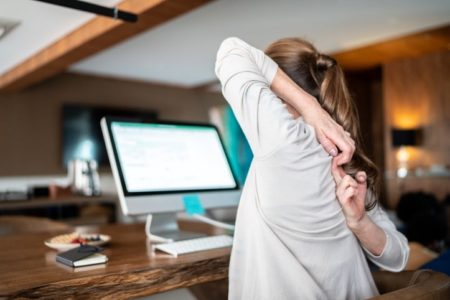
(330, 134)
(351, 194)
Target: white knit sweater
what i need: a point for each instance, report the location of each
(291, 239)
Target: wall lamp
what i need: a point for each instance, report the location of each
(402, 138)
(94, 8)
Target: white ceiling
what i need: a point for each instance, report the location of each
(40, 25)
(182, 51)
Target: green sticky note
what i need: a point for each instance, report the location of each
(192, 205)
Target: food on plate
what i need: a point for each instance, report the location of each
(75, 238)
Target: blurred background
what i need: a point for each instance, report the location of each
(61, 70)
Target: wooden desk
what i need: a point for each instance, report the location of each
(28, 268)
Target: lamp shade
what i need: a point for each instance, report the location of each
(405, 137)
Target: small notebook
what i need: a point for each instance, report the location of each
(82, 256)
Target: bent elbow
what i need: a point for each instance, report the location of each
(225, 48)
(227, 44)
(405, 257)
(402, 260)
(404, 253)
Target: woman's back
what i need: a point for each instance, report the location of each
(297, 190)
(291, 239)
(292, 232)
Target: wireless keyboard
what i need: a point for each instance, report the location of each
(195, 245)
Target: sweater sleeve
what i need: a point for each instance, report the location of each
(246, 74)
(396, 251)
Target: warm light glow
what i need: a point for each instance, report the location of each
(407, 120)
(408, 158)
(410, 109)
(403, 155)
(402, 172)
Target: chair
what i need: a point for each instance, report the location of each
(418, 256)
(420, 285)
(26, 224)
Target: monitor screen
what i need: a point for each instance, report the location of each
(162, 157)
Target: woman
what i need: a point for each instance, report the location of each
(293, 239)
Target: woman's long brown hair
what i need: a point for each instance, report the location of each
(322, 77)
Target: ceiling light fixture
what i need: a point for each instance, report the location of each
(114, 13)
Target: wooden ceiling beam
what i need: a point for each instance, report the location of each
(409, 46)
(92, 37)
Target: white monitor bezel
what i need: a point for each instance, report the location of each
(135, 203)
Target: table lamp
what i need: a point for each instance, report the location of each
(402, 138)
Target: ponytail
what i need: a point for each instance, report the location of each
(322, 77)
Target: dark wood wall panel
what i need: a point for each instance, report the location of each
(417, 94)
(366, 89)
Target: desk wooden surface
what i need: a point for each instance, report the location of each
(28, 268)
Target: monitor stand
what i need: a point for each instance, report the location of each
(163, 228)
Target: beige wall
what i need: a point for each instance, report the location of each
(417, 94)
(30, 121)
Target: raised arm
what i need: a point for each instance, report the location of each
(247, 73)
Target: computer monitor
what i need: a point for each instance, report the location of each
(156, 165)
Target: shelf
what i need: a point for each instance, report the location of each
(46, 202)
(413, 175)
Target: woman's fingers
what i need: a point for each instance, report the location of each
(327, 144)
(347, 150)
(332, 136)
(361, 177)
(344, 142)
(350, 192)
(346, 195)
(346, 182)
(337, 171)
(351, 141)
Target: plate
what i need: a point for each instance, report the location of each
(63, 242)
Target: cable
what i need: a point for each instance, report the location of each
(213, 222)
